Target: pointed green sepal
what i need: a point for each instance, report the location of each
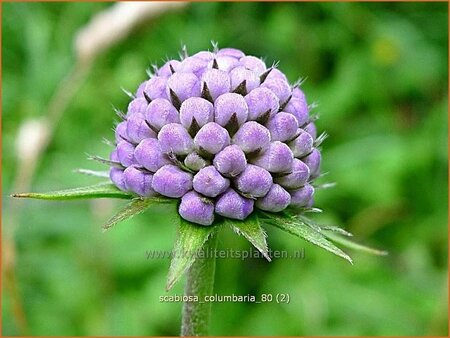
(251, 229)
(105, 189)
(136, 206)
(190, 240)
(353, 245)
(298, 227)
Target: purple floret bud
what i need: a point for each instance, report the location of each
(276, 74)
(298, 107)
(313, 162)
(116, 176)
(196, 208)
(195, 162)
(252, 137)
(171, 181)
(155, 88)
(121, 131)
(209, 182)
(240, 74)
(230, 161)
(138, 129)
(311, 129)
(193, 65)
(211, 138)
(277, 199)
(195, 112)
(301, 197)
(204, 55)
(161, 112)
(233, 52)
(137, 181)
(181, 86)
(173, 138)
(302, 145)
(277, 158)
(262, 104)
(230, 111)
(232, 205)
(166, 70)
(254, 181)
(253, 63)
(137, 106)
(149, 155)
(215, 82)
(225, 63)
(280, 88)
(297, 178)
(125, 153)
(282, 127)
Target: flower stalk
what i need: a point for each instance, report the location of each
(199, 283)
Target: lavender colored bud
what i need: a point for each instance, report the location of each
(230, 106)
(137, 106)
(173, 138)
(204, 55)
(125, 153)
(161, 112)
(252, 137)
(137, 129)
(166, 70)
(149, 155)
(311, 129)
(240, 74)
(196, 209)
(253, 63)
(230, 161)
(195, 162)
(225, 63)
(121, 131)
(232, 205)
(171, 181)
(277, 199)
(196, 108)
(298, 106)
(313, 162)
(297, 178)
(217, 81)
(235, 53)
(310, 202)
(280, 87)
(277, 158)
(276, 74)
(138, 181)
(302, 144)
(116, 176)
(261, 102)
(283, 126)
(209, 182)
(183, 85)
(140, 90)
(113, 156)
(212, 138)
(254, 181)
(156, 88)
(301, 197)
(193, 65)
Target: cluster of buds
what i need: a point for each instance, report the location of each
(223, 133)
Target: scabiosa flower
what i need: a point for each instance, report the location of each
(223, 133)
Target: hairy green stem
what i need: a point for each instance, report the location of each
(199, 283)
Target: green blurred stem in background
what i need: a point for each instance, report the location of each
(199, 283)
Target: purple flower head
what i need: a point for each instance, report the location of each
(231, 161)
(209, 182)
(211, 138)
(277, 199)
(277, 158)
(223, 133)
(161, 112)
(232, 205)
(171, 181)
(196, 209)
(138, 181)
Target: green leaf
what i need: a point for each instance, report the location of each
(251, 229)
(297, 227)
(97, 173)
(105, 189)
(190, 240)
(352, 245)
(321, 227)
(136, 206)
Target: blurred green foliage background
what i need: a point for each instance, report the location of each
(379, 73)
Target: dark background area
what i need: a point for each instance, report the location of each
(379, 73)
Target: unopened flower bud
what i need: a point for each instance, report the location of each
(171, 181)
(149, 155)
(254, 181)
(137, 181)
(215, 82)
(276, 199)
(137, 129)
(247, 79)
(195, 112)
(196, 208)
(296, 178)
(233, 52)
(277, 158)
(253, 63)
(232, 205)
(169, 68)
(282, 127)
(137, 106)
(313, 162)
(181, 86)
(262, 104)
(195, 162)
(301, 197)
(116, 176)
(225, 63)
(125, 153)
(298, 107)
(230, 161)
(209, 182)
(155, 88)
(230, 111)
(252, 137)
(173, 138)
(161, 112)
(302, 144)
(280, 88)
(211, 138)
